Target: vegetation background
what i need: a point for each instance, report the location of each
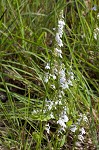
(27, 42)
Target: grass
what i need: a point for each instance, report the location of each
(27, 103)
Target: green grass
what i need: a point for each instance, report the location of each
(27, 42)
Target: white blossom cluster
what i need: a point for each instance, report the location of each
(63, 81)
(58, 37)
(59, 72)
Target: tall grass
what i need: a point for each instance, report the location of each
(41, 114)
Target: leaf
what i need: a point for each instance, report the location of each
(69, 123)
(62, 141)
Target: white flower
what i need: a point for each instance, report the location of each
(51, 115)
(60, 95)
(58, 52)
(59, 33)
(61, 14)
(78, 144)
(53, 86)
(96, 33)
(62, 72)
(94, 8)
(82, 117)
(61, 24)
(54, 29)
(55, 70)
(62, 123)
(47, 66)
(82, 131)
(47, 128)
(85, 118)
(54, 77)
(46, 78)
(44, 110)
(58, 40)
(65, 118)
(71, 75)
(34, 112)
(65, 109)
(63, 86)
(63, 82)
(70, 82)
(49, 104)
(56, 102)
(74, 128)
(80, 137)
(59, 102)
